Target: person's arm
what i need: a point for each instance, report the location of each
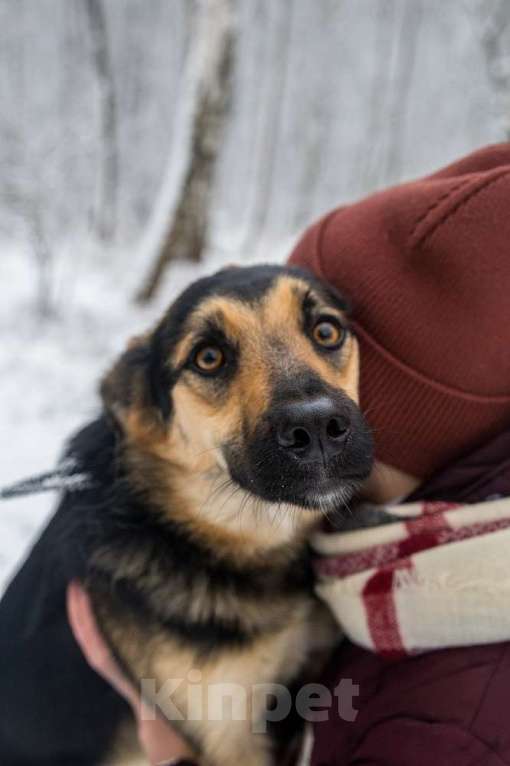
(161, 744)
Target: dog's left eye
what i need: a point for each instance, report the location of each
(209, 359)
(328, 334)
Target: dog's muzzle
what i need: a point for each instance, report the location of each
(305, 449)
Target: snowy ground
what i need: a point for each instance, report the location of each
(49, 370)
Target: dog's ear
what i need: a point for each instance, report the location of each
(135, 391)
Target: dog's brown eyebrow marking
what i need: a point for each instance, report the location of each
(213, 316)
(312, 303)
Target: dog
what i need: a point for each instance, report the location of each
(227, 432)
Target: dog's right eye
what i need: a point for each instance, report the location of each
(209, 359)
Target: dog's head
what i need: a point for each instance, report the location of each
(252, 375)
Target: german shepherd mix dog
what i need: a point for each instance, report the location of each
(226, 432)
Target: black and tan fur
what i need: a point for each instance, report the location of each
(192, 541)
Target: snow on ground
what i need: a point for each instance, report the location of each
(49, 369)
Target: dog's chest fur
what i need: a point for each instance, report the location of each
(240, 631)
(220, 729)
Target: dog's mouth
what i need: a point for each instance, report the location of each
(335, 498)
(320, 488)
(325, 487)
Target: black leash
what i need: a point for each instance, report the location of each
(66, 476)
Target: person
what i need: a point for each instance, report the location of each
(421, 589)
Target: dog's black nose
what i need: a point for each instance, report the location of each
(314, 429)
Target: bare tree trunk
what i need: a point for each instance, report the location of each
(43, 258)
(372, 150)
(494, 33)
(401, 88)
(209, 77)
(105, 212)
(276, 84)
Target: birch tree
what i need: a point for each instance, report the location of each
(495, 36)
(106, 201)
(20, 195)
(180, 225)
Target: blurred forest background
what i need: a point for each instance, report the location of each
(144, 142)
